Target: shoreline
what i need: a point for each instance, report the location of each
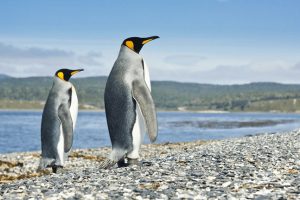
(145, 144)
(170, 111)
(261, 166)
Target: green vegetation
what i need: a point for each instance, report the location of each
(32, 92)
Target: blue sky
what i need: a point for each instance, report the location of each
(206, 41)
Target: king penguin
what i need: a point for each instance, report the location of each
(129, 107)
(58, 120)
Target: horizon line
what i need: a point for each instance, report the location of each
(174, 81)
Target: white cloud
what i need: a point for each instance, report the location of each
(11, 52)
(296, 66)
(179, 65)
(37, 61)
(234, 74)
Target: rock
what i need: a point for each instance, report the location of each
(226, 184)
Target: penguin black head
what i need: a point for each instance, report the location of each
(136, 43)
(65, 74)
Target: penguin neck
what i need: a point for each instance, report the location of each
(126, 51)
(57, 82)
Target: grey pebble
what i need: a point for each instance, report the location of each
(266, 166)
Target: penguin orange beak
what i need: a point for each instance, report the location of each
(76, 71)
(148, 39)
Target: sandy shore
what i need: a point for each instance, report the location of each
(257, 167)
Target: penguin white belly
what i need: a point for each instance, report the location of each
(60, 146)
(138, 133)
(139, 129)
(74, 106)
(147, 76)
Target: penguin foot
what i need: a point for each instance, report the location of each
(131, 161)
(108, 163)
(57, 169)
(121, 163)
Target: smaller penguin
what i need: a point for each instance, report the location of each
(58, 120)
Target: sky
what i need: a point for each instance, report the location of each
(204, 41)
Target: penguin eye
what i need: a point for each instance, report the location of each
(129, 44)
(61, 75)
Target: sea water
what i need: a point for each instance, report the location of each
(20, 130)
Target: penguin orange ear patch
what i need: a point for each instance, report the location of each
(129, 44)
(61, 75)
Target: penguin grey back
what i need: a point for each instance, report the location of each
(121, 97)
(118, 97)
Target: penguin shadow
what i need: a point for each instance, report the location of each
(125, 162)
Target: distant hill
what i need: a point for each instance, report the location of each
(31, 92)
(3, 76)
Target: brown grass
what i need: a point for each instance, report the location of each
(85, 156)
(8, 164)
(293, 171)
(150, 186)
(4, 178)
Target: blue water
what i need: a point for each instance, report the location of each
(20, 130)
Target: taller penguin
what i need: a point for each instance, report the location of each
(128, 104)
(58, 120)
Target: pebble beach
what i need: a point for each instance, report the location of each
(265, 166)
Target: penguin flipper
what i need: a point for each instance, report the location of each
(67, 125)
(142, 96)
